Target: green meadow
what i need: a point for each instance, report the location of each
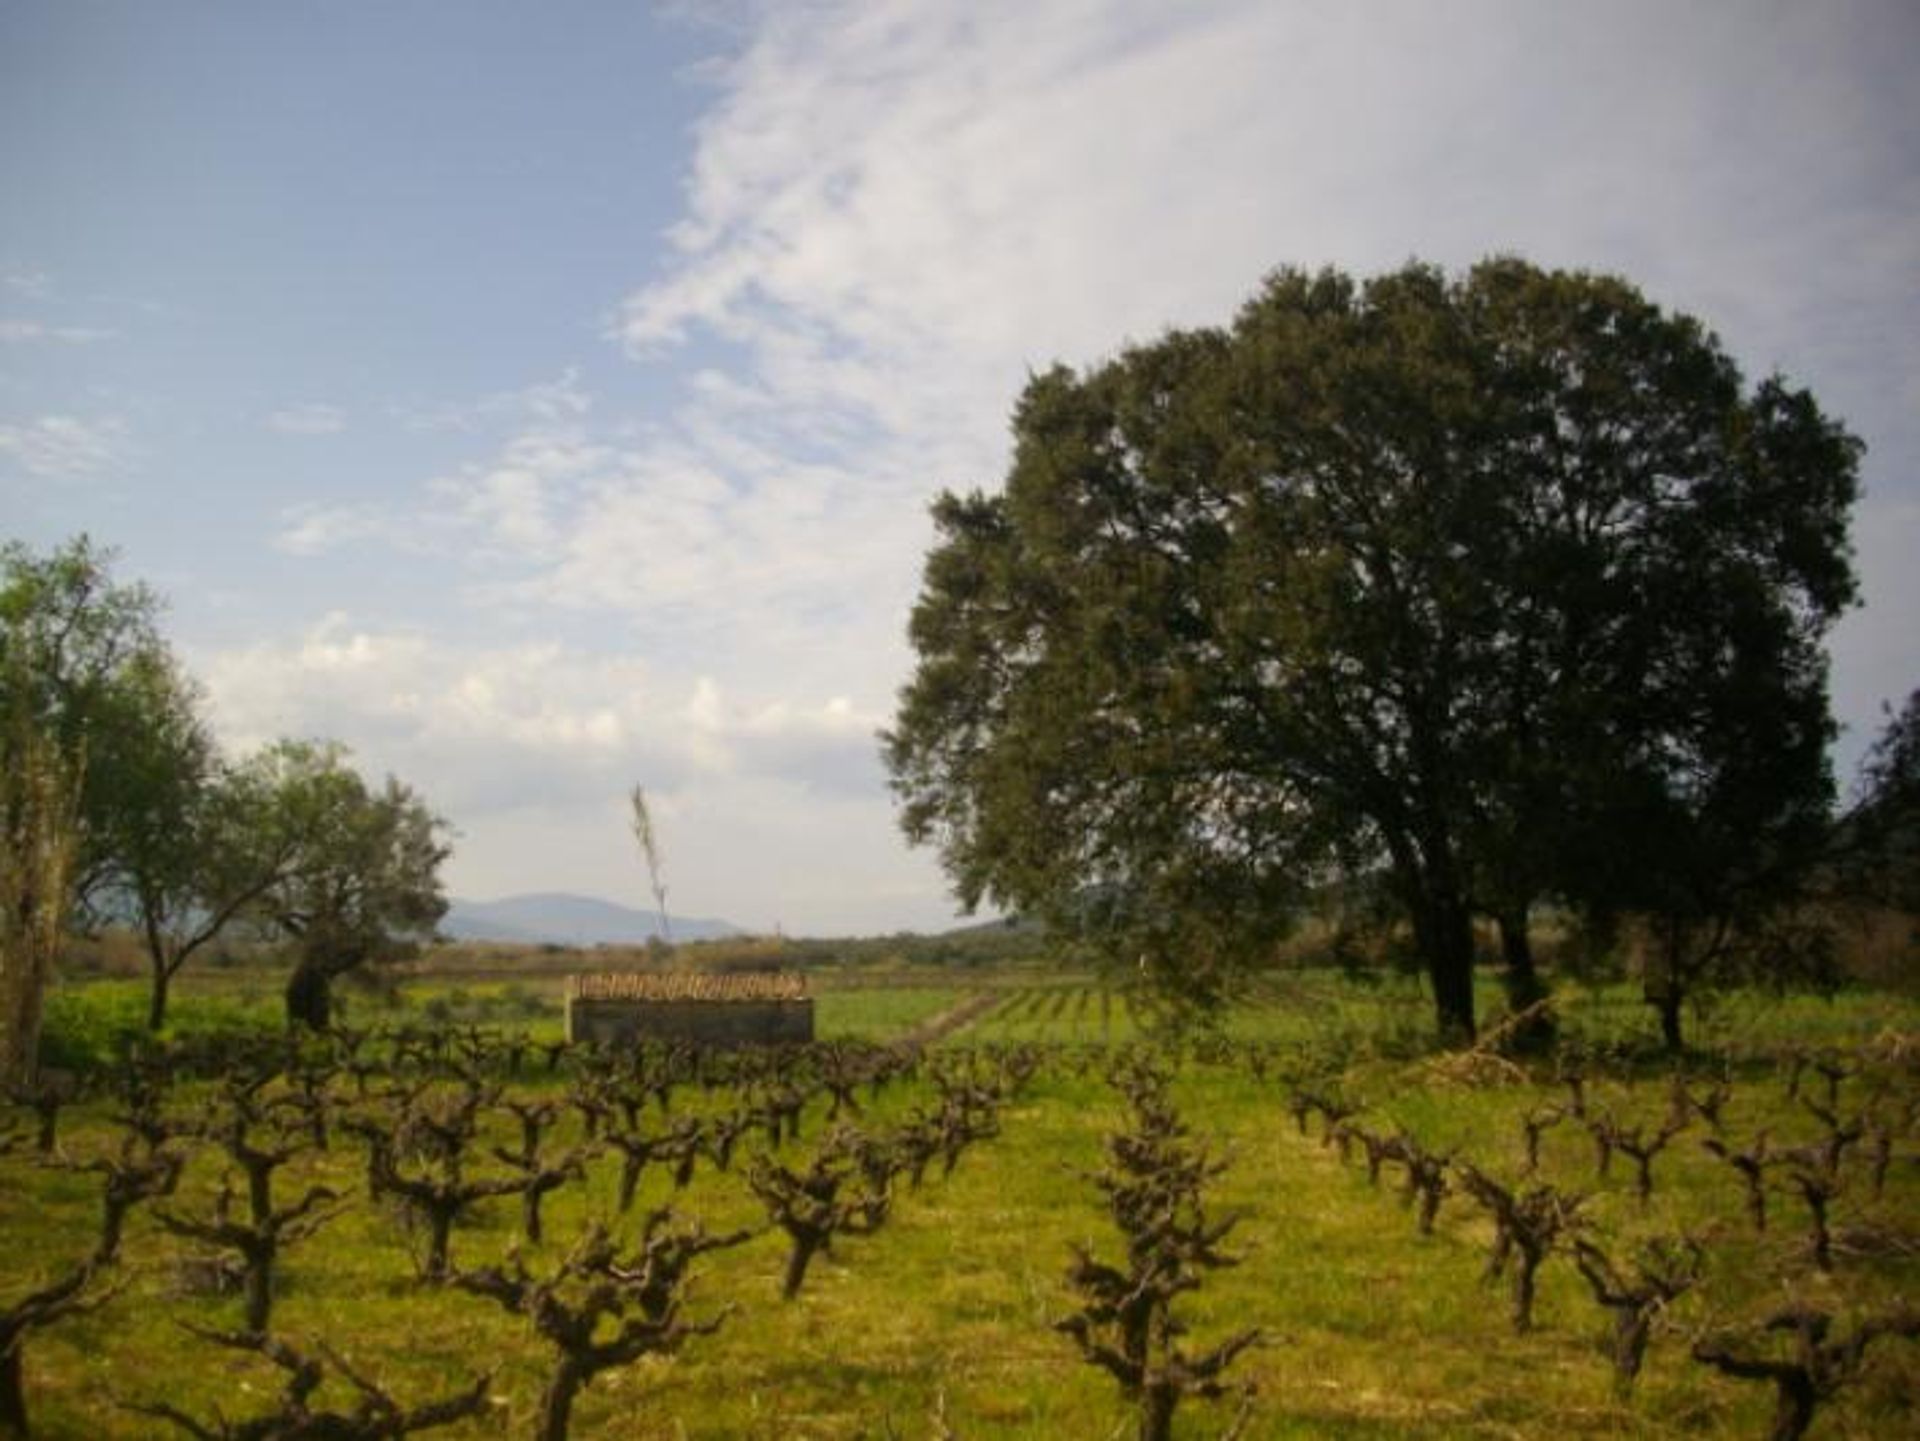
(942, 1322)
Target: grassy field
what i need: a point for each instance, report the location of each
(941, 1322)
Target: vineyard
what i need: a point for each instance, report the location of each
(1034, 1208)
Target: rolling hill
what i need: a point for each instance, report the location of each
(557, 918)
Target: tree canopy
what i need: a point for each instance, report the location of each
(105, 734)
(1878, 841)
(86, 661)
(361, 884)
(1487, 587)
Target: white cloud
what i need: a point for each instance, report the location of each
(895, 214)
(514, 741)
(512, 499)
(33, 284)
(894, 217)
(547, 401)
(956, 191)
(485, 723)
(21, 331)
(313, 529)
(308, 419)
(63, 447)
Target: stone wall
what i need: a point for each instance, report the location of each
(707, 1023)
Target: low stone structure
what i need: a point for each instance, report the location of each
(755, 1008)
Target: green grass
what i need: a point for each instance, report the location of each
(879, 1013)
(1372, 1330)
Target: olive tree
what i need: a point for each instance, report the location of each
(361, 884)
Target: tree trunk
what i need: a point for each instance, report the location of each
(1157, 1402)
(1443, 932)
(439, 1242)
(259, 1291)
(1523, 1291)
(1632, 1329)
(157, 1001)
(1668, 1002)
(23, 974)
(1793, 1408)
(310, 997)
(1524, 987)
(556, 1406)
(797, 1263)
(13, 1395)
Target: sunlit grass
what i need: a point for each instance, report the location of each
(1372, 1330)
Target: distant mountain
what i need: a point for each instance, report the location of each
(553, 918)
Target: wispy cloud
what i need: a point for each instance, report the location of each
(25, 331)
(31, 284)
(61, 447)
(514, 500)
(544, 402)
(307, 419)
(893, 220)
(893, 216)
(313, 529)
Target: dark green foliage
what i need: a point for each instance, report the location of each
(1877, 844)
(1485, 591)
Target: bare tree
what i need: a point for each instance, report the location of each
(600, 1310)
(376, 1416)
(1636, 1291)
(70, 1295)
(1816, 1368)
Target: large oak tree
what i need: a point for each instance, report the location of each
(1475, 585)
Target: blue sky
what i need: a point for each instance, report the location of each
(547, 398)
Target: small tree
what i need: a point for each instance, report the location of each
(72, 1294)
(131, 1179)
(261, 1232)
(1125, 1325)
(817, 1204)
(1527, 1223)
(362, 885)
(196, 858)
(1817, 1364)
(601, 1309)
(375, 1416)
(1636, 1291)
